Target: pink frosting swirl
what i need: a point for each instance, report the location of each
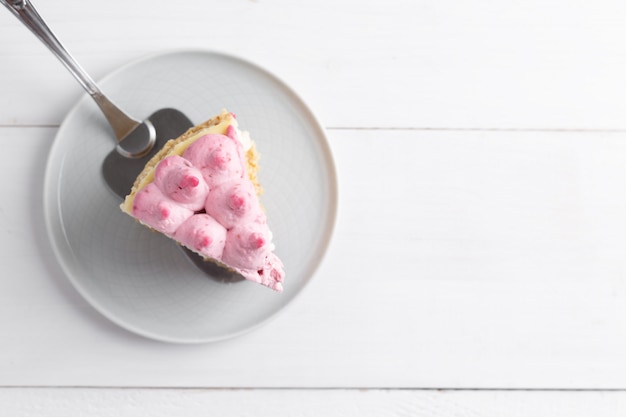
(154, 209)
(219, 158)
(202, 234)
(247, 245)
(234, 202)
(179, 180)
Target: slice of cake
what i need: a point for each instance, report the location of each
(201, 190)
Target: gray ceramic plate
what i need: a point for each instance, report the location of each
(140, 279)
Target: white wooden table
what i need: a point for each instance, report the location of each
(478, 265)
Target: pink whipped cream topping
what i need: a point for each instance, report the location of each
(154, 208)
(219, 157)
(205, 201)
(182, 182)
(234, 202)
(202, 234)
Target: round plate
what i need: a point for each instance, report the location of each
(140, 279)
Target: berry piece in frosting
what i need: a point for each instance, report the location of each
(234, 202)
(154, 209)
(202, 234)
(179, 180)
(219, 157)
(271, 275)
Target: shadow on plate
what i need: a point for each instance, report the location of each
(213, 270)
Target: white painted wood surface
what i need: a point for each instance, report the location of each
(297, 403)
(480, 242)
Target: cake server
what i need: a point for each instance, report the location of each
(137, 140)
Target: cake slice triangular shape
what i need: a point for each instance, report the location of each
(201, 189)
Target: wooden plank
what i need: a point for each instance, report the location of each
(447, 64)
(460, 260)
(157, 403)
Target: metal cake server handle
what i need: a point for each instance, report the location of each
(123, 125)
